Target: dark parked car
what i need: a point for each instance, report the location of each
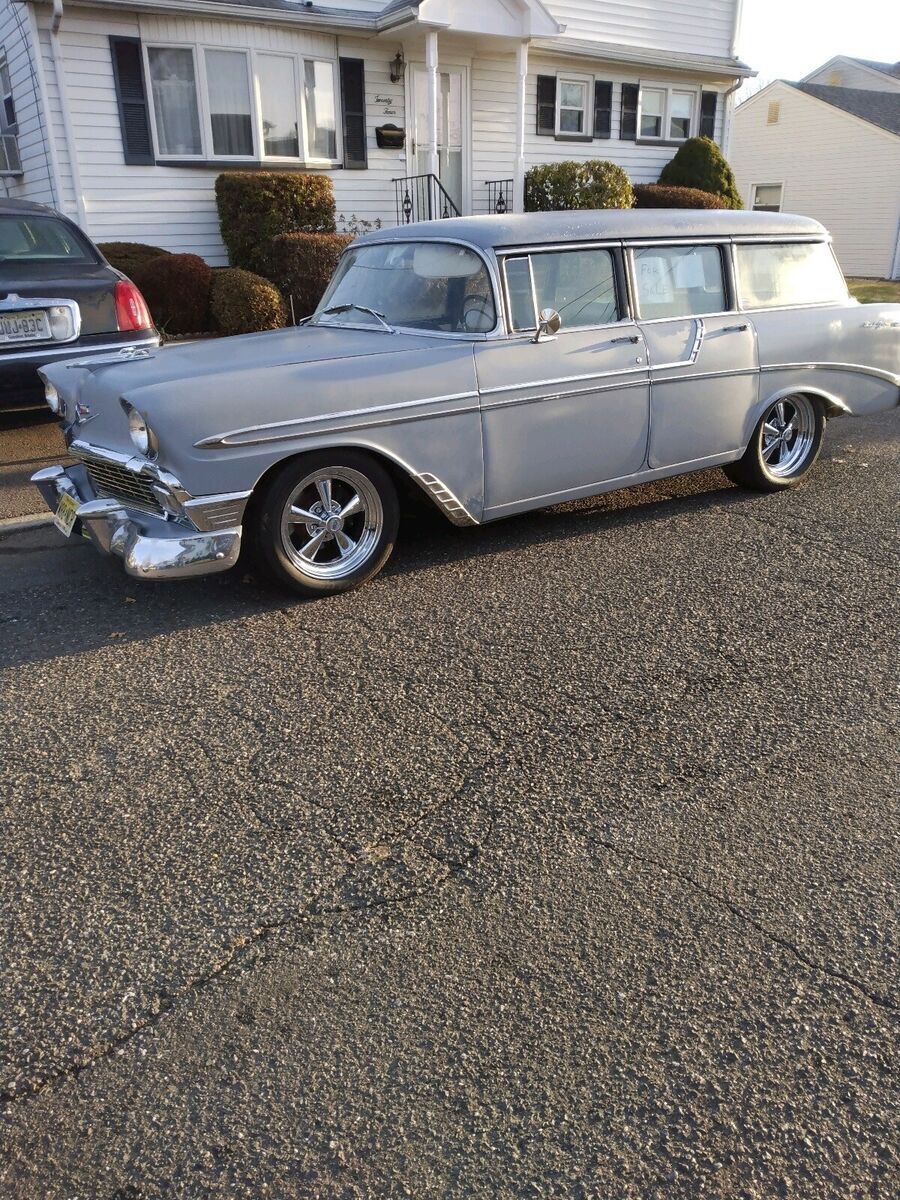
(59, 298)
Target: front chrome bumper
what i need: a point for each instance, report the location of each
(151, 547)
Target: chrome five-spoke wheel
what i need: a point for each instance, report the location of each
(327, 521)
(784, 445)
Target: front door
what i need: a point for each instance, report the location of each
(565, 416)
(452, 124)
(704, 376)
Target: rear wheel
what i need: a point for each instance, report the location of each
(327, 522)
(784, 446)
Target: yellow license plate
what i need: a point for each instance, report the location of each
(64, 518)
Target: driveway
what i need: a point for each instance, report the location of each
(559, 862)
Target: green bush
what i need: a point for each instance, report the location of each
(566, 185)
(241, 302)
(655, 195)
(128, 257)
(301, 264)
(255, 206)
(700, 163)
(176, 288)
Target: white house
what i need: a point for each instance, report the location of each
(829, 147)
(122, 112)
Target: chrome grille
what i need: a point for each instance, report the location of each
(115, 480)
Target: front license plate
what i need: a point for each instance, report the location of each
(30, 326)
(64, 518)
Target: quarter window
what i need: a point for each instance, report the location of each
(679, 281)
(579, 284)
(803, 273)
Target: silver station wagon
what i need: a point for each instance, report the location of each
(496, 364)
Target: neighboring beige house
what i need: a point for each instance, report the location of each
(123, 112)
(829, 147)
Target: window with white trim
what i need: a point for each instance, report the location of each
(573, 100)
(767, 197)
(8, 108)
(216, 103)
(666, 114)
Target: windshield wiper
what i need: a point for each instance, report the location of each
(342, 308)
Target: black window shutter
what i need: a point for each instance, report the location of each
(602, 109)
(708, 102)
(128, 73)
(353, 111)
(546, 105)
(628, 122)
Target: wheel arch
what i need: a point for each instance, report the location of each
(834, 405)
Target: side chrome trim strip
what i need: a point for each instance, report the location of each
(588, 391)
(227, 439)
(852, 368)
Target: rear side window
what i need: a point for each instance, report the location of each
(679, 281)
(579, 284)
(804, 273)
(41, 239)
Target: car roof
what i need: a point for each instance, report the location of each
(9, 207)
(526, 229)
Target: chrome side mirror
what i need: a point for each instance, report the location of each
(549, 322)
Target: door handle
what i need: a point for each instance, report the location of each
(735, 328)
(633, 339)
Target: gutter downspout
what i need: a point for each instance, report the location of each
(68, 131)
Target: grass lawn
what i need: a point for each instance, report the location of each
(873, 291)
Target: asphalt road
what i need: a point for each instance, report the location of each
(561, 861)
(28, 441)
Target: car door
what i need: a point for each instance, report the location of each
(561, 416)
(704, 369)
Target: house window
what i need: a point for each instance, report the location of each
(666, 114)
(212, 103)
(767, 197)
(230, 114)
(173, 84)
(8, 112)
(572, 107)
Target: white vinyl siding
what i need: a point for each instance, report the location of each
(684, 26)
(821, 154)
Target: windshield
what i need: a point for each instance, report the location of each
(30, 239)
(432, 286)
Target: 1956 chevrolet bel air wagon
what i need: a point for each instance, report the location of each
(499, 364)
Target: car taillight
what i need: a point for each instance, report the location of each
(131, 307)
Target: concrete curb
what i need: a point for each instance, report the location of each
(32, 521)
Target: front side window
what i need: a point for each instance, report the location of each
(230, 115)
(321, 134)
(679, 281)
(578, 284)
(173, 84)
(653, 102)
(278, 104)
(803, 273)
(431, 286)
(573, 101)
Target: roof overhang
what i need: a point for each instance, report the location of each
(610, 52)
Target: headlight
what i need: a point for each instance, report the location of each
(51, 395)
(141, 434)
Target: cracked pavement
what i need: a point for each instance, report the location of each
(560, 861)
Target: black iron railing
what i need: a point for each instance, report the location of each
(500, 195)
(422, 198)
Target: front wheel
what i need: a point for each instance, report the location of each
(784, 445)
(327, 522)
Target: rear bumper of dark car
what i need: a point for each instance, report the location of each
(20, 387)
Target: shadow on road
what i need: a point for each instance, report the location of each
(48, 586)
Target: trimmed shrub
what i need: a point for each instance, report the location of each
(551, 187)
(656, 195)
(128, 257)
(255, 206)
(700, 163)
(176, 288)
(241, 302)
(301, 264)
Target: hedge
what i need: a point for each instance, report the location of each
(176, 288)
(567, 185)
(255, 206)
(241, 302)
(700, 163)
(656, 195)
(301, 264)
(129, 257)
